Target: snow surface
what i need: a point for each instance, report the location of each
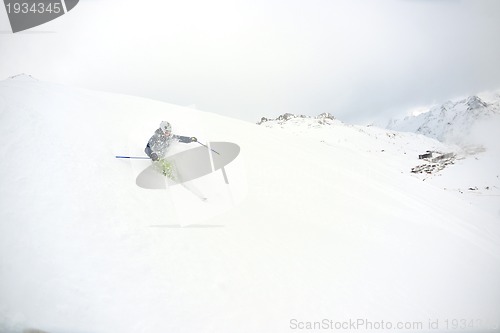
(472, 124)
(320, 220)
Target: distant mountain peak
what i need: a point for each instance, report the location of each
(325, 115)
(450, 122)
(474, 102)
(281, 119)
(22, 77)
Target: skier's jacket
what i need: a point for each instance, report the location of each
(158, 144)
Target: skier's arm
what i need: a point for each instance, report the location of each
(185, 139)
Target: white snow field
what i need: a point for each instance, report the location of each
(473, 124)
(319, 230)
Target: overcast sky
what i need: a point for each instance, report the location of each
(358, 59)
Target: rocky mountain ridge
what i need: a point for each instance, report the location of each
(453, 121)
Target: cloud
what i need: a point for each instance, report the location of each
(486, 132)
(356, 59)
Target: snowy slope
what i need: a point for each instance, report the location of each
(473, 124)
(397, 150)
(473, 174)
(311, 227)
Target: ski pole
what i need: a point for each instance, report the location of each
(133, 157)
(207, 147)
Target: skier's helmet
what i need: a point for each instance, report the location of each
(166, 127)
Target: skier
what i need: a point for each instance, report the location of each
(158, 144)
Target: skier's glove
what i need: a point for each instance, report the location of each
(193, 139)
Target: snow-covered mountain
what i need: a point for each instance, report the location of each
(388, 145)
(473, 124)
(284, 118)
(453, 121)
(472, 170)
(319, 222)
